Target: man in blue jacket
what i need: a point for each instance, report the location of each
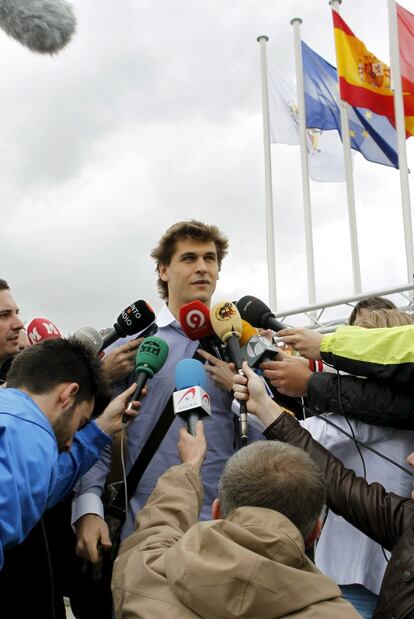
(52, 390)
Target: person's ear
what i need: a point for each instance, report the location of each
(163, 272)
(68, 393)
(311, 539)
(216, 510)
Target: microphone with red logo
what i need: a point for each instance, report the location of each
(191, 402)
(196, 324)
(135, 318)
(227, 324)
(40, 329)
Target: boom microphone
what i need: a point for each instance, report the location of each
(258, 313)
(227, 324)
(196, 324)
(191, 402)
(90, 337)
(40, 329)
(134, 318)
(44, 26)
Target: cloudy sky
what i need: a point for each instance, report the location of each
(152, 114)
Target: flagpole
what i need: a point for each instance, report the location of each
(401, 137)
(307, 212)
(349, 181)
(270, 234)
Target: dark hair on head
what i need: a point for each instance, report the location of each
(276, 476)
(44, 366)
(371, 303)
(4, 285)
(191, 229)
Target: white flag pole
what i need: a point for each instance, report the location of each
(400, 127)
(310, 265)
(349, 178)
(270, 234)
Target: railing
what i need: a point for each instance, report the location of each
(317, 315)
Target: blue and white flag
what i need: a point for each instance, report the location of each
(371, 135)
(325, 153)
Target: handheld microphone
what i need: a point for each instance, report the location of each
(40, 329)
(89, 336)
(44, 26)
(136, 317)
(151, 356)
(257, 350)
(258, 313)
(190, 401)
(247, 332)
(196, 324)
(227, 324)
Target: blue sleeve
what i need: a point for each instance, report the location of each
(27, 458)
(84, 452)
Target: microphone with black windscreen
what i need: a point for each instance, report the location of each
(258, 313)
(190, 400)
(135, 318)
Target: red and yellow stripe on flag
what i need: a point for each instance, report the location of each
(365, 81)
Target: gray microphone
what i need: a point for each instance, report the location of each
(44, 26)
(89, 336)
(257, 350)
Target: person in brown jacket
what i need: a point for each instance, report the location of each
(384, 516)
(249, 561)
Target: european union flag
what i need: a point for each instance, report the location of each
(371, 135)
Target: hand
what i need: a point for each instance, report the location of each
(220, 372)
(306, 341)
(112, 418)
(290, 376)
(120, 362)
(267, 333)
(91, 531)
(251, 389)
(192, 449)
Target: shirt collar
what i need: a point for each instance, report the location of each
(165, 317)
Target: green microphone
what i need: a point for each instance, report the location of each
(151, 356)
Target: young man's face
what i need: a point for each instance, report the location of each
(69, 422)
(10, 325)
(192, 273)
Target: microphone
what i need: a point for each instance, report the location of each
(258, 313)
(89, 336)
(136, 317)
(44, 26)
(247, 332)
(257, 350)
(196, 324)
(227, 324)
(151, 356)
(40, 329)
(190, 401)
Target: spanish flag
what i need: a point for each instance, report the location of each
(365, 81)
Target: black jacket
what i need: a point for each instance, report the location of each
(385, 517)
(368, 400)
